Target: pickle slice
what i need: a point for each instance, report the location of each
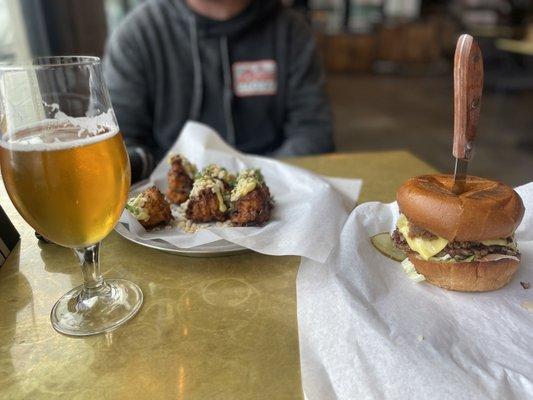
(383, 243)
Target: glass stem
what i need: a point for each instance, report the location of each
(93, 281)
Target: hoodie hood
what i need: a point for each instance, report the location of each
(257, 82)
(257, 11)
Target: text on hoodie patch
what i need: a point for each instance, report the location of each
(254, 78)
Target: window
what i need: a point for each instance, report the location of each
(13, 38)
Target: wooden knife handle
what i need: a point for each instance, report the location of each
(468, 85)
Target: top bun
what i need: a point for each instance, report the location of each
(486, 210)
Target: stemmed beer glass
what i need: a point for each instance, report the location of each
(66, 169)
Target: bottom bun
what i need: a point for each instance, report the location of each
(473, 276)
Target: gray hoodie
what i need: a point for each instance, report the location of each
(255, 79)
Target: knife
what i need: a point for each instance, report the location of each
(468, 85)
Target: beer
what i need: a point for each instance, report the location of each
(71, 189)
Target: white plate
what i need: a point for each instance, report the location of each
(216, 249)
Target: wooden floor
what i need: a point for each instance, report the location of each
(378, 113)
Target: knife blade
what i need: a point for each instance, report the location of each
(459, 176)
(468, 87)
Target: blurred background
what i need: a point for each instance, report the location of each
(388, 62)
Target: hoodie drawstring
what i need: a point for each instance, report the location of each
(198, 84)
(228, 91)
(198, 89)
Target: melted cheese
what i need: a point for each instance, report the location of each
(496, 242)
(426, 248)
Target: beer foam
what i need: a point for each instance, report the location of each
(91, 125)
(36, 143)
(75, 132)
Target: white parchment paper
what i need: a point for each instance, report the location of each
(369, 332)
(309, 210)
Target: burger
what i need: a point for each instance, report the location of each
(459, 242)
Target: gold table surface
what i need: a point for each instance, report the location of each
(211, 328)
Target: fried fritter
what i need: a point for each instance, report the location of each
(180, 179)
(252, 209)
(207, 201)
(205, 208)
(251, 202)
(150, 208)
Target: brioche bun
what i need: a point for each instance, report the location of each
(486, 210)
(476, 276)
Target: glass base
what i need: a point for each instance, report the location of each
(84, 312)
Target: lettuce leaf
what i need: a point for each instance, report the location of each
(410, 271)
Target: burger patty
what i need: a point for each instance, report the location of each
(415, 231)
(458, 250)
(399, 241)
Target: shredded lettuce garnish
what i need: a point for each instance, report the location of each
(444, 259)
(449, 259)
(218, 172)
(410, 271)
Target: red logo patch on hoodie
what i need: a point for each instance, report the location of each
(255, 78)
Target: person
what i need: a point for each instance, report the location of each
(247, 68)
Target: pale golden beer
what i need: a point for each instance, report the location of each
(72, 190)
(66, 169)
